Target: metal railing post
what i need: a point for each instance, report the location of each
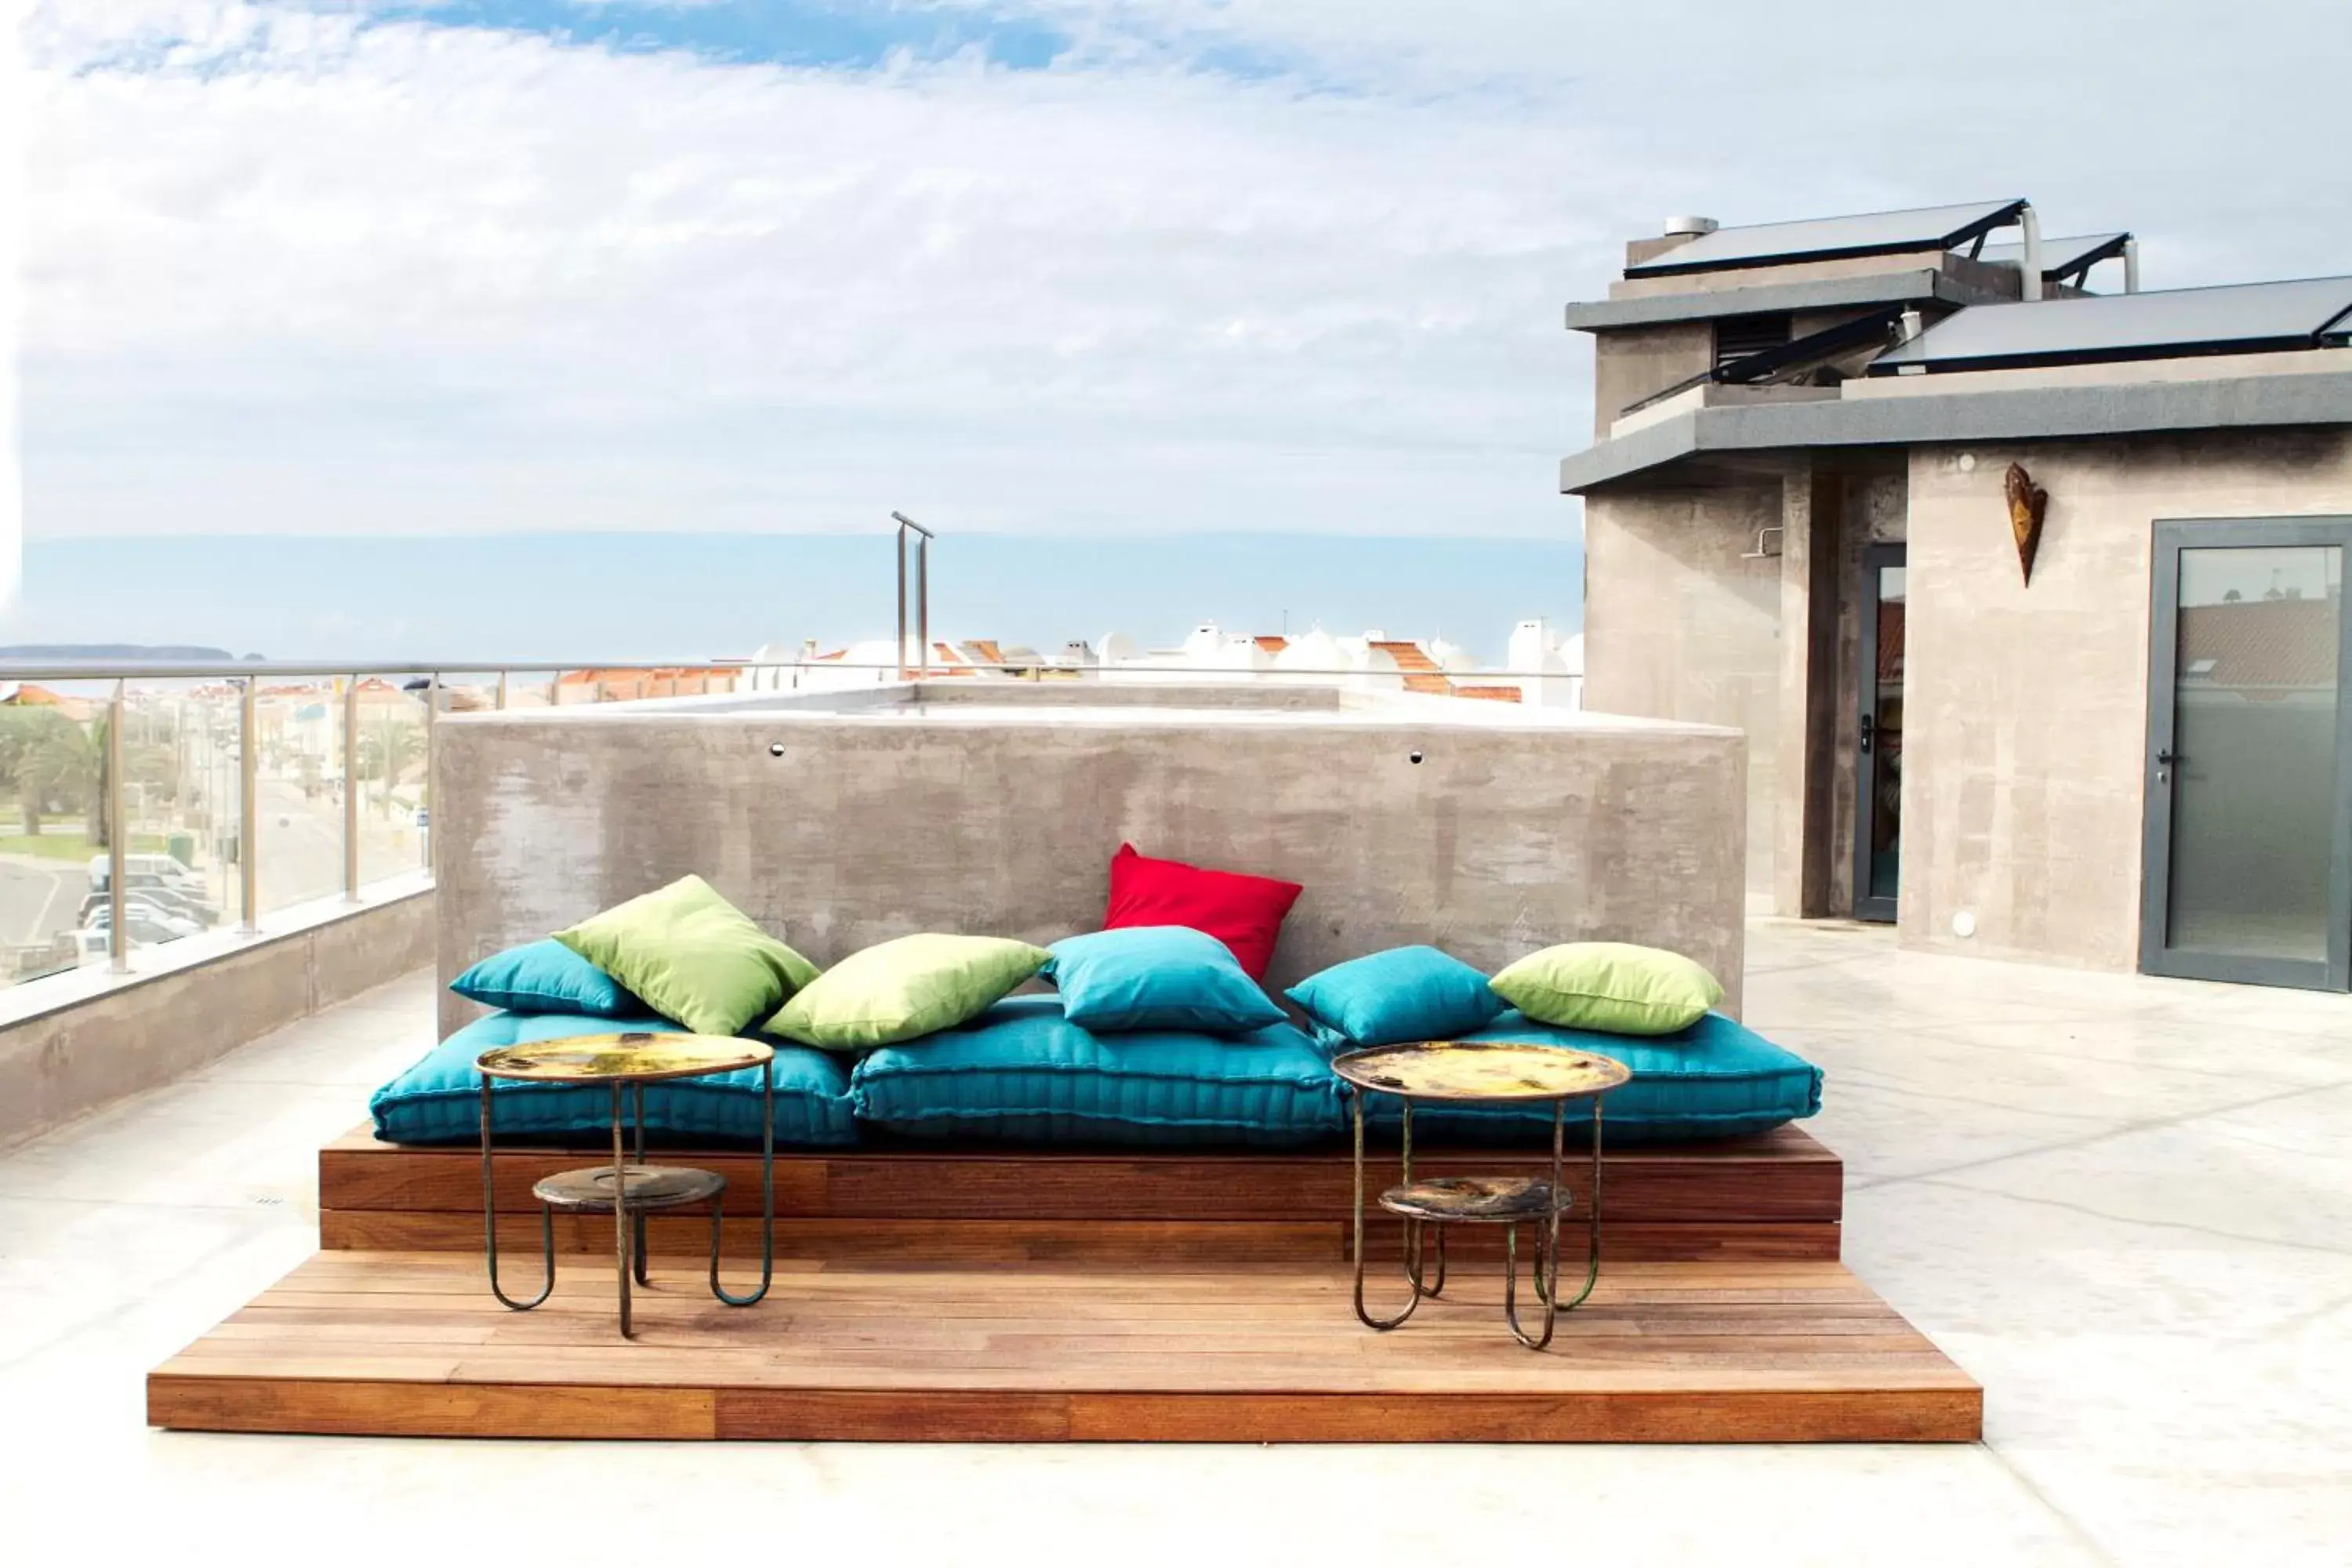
(248, 805)
(425, 808)
(502, 691)
(351, 791)
(922, 594)
(118, 859)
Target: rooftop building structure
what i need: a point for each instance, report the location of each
(2028, 596)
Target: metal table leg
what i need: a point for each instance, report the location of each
(1546, 1262)
(490, 1223)
(1413, 1229)
(767, 1198)
(623, 1265)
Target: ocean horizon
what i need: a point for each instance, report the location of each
(604, 596)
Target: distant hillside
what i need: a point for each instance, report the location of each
(120, 653)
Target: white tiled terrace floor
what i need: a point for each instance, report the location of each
(2125, 1204)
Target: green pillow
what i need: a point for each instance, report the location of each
(1612, 986)
(692, 957)
(897, 990)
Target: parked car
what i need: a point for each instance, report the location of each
(144, 933)
(152, 903)
(172, 895)
(161, 869)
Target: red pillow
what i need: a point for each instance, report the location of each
(1244, 912)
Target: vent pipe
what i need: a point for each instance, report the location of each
(2031, 260)
(2131, 266)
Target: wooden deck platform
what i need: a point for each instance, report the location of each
(1777, 1196)
(410, 1343)
(928, 1293)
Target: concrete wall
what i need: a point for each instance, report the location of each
(2024, 773)
(1641, 361)
(1678, 625)
(1516, 829)
(146, 1031)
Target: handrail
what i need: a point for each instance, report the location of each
(428, 669)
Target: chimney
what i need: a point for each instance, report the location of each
(1680, 229)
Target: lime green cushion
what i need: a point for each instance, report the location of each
(1614, 988)
(897, 990)
(692, 957)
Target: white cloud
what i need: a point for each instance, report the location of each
(290, 272)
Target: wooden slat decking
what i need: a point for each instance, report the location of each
(1779, 1196)
(851, 1346)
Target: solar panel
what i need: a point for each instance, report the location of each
(1828, 238)
(2061, 257)
(2242, 318)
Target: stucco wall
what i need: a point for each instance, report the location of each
(1679, 624)
(2027, 718)
(1512, 832)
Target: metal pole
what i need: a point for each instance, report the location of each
(923, 603)
(900, 656)
(118, 867)
(432, 713)
(248, 807)
(502, 691)
(351, 790)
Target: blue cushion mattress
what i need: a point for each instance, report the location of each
(1714, 1080)
(1022, 1071)
(438, 1101)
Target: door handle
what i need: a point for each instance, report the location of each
(1869, 731)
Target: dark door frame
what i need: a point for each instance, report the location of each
(2155, 957)
(1866, 761)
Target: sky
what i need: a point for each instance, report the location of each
(1099, 270)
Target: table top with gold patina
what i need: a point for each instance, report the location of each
(1480, 1069)
(637, 1056)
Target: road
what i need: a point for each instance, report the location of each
(38, 897)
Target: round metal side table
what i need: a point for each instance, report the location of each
(1475, 1071)
(628, 1190)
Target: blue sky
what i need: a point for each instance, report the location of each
(1089, 269)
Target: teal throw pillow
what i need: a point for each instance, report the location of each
(1157, 977)
(546, 976)
(1403, 994)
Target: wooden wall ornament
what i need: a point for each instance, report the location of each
(2027, 503)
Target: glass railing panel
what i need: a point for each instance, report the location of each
(179, 796)
(298, 794)
(392, 768)
(53, 828)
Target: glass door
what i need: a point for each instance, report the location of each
(1878, 736)
(2248, 873)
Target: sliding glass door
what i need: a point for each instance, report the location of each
(2248, 851)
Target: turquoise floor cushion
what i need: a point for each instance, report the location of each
(1714, 1080)
(438, 1101)
(1022, 1071)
